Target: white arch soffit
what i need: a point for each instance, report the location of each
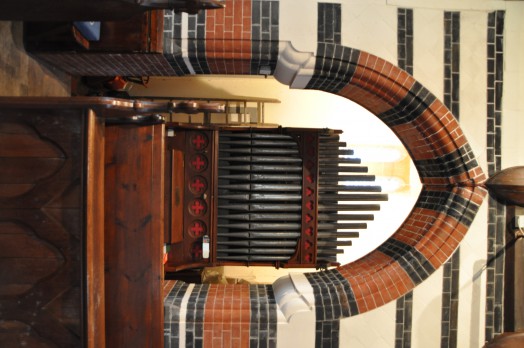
(294, 68)
(294, 295)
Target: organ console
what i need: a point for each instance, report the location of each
(284, 197)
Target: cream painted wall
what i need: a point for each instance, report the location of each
(370, 26)
(472, 288)
(473, 80)
(427, 316)
(451, 5)
(375, 328)
(428, 28)
(513, 101)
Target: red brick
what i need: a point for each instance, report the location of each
(208, 338)
(219, 20)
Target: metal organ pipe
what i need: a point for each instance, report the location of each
(281, 196)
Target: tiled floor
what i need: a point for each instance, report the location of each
(22, 75)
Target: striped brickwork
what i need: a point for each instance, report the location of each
(241, 39)
(196, 26)
(405, 39)
(496, 217)
(265, 36)
(227, 316)
(451, 269)
(172, 46)
(217, 316)
(427, 128)
(173, 315)
(452, 180)
(404, 310)
(333, 300)
(263, 322)
(228, 38)
(404, 321)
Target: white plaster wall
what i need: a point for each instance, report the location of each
(451, 5)
(428, 49)
(427, 312)
(473, 81)
(370, 26)
(513, 100)
(299, 29)
(472, 289)
(375, 328)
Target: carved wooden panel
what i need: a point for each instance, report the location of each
(41, 224)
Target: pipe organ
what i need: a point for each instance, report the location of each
(285, 197)
(93, 187)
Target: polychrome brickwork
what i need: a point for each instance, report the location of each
(496, 217)
(334, 299)
(242, 39)
(451, 269)
(246, 38)
(265, 35)
(227, 316)
(172, 314)
(404, 309)
(452, 178)
(172, 42)
(219, 316)
(405, 39)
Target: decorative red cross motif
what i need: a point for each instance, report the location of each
(309, 191)
(196, 251)
(310, 179)
(198, 185)
(310, 205)
(197, 229)
(199, 163)
(198, 207)
(199, 141)
(308, 245)
(309, 258)
(309, 218)
(309, 231)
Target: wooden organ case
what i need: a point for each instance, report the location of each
(283, 197)
(90, 186)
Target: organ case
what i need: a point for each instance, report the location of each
(285, 197)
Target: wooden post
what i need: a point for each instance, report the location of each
(134, 235)
(514, 275)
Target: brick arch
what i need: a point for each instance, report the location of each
(451, 177)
